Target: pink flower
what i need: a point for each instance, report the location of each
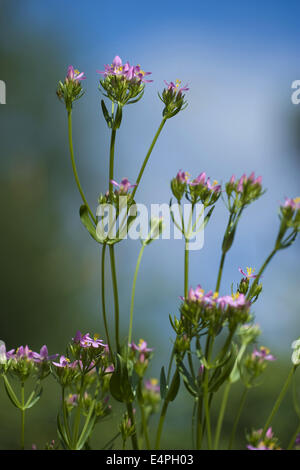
(175, 87)
(74, 75)
(250, 273)
(124, 186)
(264, 355)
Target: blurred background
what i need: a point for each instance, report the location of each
(239, 59)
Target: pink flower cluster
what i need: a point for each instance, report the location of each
(129, 72)
(23, 352)
(293, 203)
(201, 180)
(244, 179)
(212, 299)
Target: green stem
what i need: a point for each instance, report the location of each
(111, 160)
(237, 418)
(116, 296)
(186, 269)
(133, 292)
(74, 166)
(206, 394)
(221, 414)
(65, 416)
(220, 271)
(278, 401)
(77, 417)
(22, 416)
(256, 280)
(199, 424)
(148, 156)
(103, 297)
(145, 427)
(134, 440)
(161, 423)
(293, 439)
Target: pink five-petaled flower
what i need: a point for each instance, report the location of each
(141, 348)
(263, 354)
(43, 355)
(200, 180)
(175, 87)
(182, 176)
(65, 362)
(124, 186)
(250, 273)
(152, 385)
(86, 341)
(74, 75)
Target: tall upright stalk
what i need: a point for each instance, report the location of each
(103, 297)
(148, 156)
(74, 165)
(22, 416)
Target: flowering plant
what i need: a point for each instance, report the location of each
(215, 335)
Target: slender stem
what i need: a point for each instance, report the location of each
(103, 296)
(205, 396)
(148, 156)
(237, 418)
(221, 414)
(145, 427)
(74, 166)
(22, 416)
(65, 416)
(111, 159)
(133, 292)
(134, 440)
(161, 423)
(199, 424)
(77, 417)
(256, 280)
(293, 439)
(186, 269)
(278, 401)
(116, 297)
(220, 271)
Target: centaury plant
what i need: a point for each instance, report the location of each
(215, 341)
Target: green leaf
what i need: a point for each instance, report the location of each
(87, 222)
(218, 379)
(87, 428)
(62, 433)
(163, 384)
(188, 380)
(120, 387)
(174, 387)
(11, 394)
(106, 115)
(30, 403)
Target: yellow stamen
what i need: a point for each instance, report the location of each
(154, 381)
(250, 271)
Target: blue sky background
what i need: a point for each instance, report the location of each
(239, 59)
